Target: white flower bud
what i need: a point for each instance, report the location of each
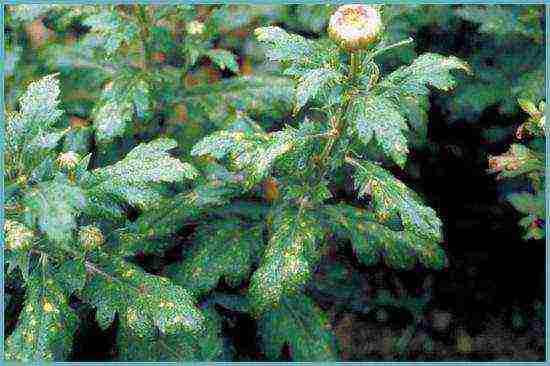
(17, 236)
(90, 237)
(68, 160)
(355, 26)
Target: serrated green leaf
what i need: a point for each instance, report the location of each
(390, 196)
(312, 82)
(111, 118)
(255, 95)
(302, 325)
(253, 153)
(517, 161)
(428, 69)
(109, 30)
(143, 302)
(170, 215)
(38, 114)
(377, 116)
(123, 98)
(283, 46)
(46, 324)
(372, 240)
(134, 179)
(54, 206)
(222, 249)
(288, 260)
(173, 347)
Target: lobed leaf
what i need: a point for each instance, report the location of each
(312, 82)
(371, 241)
(142, 301)
(288, 260)
(221, 249)
(253, 153)
(135, 179)
(429, 69)
(390, 196)
(377, 116)
(283, 46)
(174, 347)
(301, 324)
(46, 324)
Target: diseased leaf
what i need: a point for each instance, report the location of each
(46, 324)
(288, 260)
(170, 215)
(372, 241)
(390, 196)
(255, 95)
(136, 178)
(311, 83)
(253, 153)
(109, 30)
(302, 325)
(38, 113)
(428, 69)
(143, 302)
(284, 46)
(222, 249)
(378, 117)
(123, 99)
(174, 347)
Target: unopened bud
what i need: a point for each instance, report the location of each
(68, 160)
(355, 26)
(90, 237)
(17, 236)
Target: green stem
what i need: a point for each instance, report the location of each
(338, 121)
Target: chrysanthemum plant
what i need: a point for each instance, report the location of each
(68, 232)
(58, 213)
(527, 161)
(138, 71)
(345, 102)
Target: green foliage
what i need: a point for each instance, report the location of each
(299, 323)
(289, 258)
(389, 196)
(223, 249)
(47, 323)
(143, 302)
(48, 209)
(527, 161)
(192, 166)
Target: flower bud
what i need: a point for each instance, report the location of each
(17, 236)
(90, 237)
(68, 160)
(355, 26)
(194, 28)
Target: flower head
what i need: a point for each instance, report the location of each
(355, 26)
(90, 237)
(17, 236)
(68, 160)
(194, 27)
